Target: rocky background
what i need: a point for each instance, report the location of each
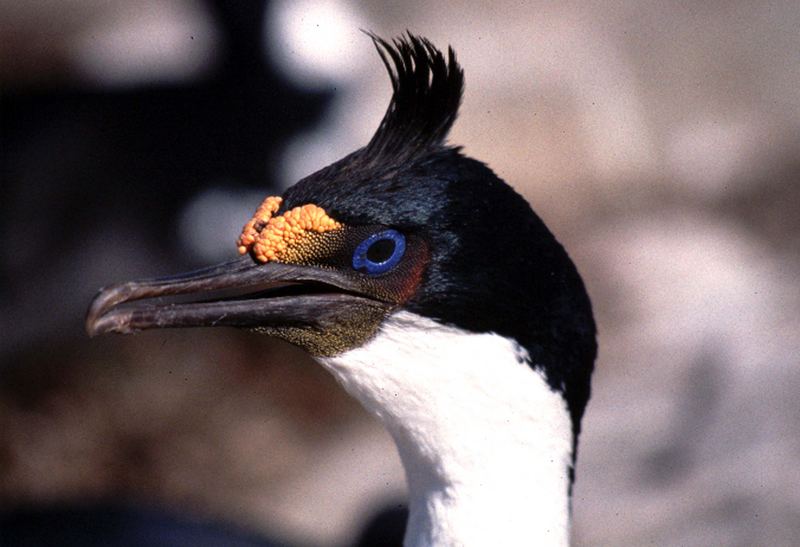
(659, 140)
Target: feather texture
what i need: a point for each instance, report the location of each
(427, 90)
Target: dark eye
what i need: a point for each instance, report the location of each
(380, 252)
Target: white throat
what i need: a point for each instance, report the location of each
(485, 442)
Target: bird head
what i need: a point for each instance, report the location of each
(405, 224)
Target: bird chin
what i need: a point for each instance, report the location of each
(324, 311)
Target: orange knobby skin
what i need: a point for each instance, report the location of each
(267, 237)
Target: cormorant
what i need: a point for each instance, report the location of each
(434, 294)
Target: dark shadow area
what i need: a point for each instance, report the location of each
(112, 525)
(386, 528)
(93, 179)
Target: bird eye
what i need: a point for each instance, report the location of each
(380, 252)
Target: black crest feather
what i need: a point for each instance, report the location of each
(427, 93)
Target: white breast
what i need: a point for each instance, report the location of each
(485, 442)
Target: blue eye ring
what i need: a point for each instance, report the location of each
(362, 262)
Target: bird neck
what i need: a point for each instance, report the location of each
(485, 442)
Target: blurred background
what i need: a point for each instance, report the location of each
(659, 140)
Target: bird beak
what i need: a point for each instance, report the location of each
(240, 293)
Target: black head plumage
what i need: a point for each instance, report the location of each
(426, 95)
(427, 92)
(495, 266)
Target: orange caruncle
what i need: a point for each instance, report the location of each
(268, 237)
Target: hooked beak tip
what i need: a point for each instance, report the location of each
(98, 321)
(113, 322)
